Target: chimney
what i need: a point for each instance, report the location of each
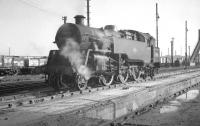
(64, 18)
(79, 19)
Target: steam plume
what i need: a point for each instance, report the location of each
(106, 42)
(71, 51)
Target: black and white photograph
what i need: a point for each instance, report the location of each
(99, 62)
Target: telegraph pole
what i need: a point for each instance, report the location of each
(168, 51)
(157, 17)
(88, 13)
(181, 51)
(9, 51)
(172, 51)
(189, 54)
(186, 30)
(64, 18)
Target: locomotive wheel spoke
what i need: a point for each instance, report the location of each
(62, 81)
(152, 72)
(138, 74)
(132, 74)
(123, 76)
(16, 72)
(135, 74)
(106, 80)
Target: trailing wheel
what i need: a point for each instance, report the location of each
(15, 71)
(135, 73)
(152, 73)
(144, 76)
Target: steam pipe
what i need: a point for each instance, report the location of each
(88, 53)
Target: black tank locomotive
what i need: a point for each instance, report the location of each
(102, 53)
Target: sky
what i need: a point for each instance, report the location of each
(28, 27)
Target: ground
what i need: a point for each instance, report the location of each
(78, 110)
(181, 111)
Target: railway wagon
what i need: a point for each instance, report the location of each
(9, 65)
(105, 54)
(34, 65)
(12, 65)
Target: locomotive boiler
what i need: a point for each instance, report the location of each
(101, 53)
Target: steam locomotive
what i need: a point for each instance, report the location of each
(105, 54)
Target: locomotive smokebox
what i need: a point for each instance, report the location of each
(79, 19)
(67, 31)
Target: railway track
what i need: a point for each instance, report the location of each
(43, 93)
(13, 87)
(17, 86)
(171, 69)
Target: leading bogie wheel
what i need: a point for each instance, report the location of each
(52, 80)
(81, 82)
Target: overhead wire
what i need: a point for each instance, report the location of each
(36, 5)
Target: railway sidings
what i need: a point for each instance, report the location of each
(106, 107)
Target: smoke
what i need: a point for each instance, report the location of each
(71, 51)
(106, 42)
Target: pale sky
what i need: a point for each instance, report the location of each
(28, 27)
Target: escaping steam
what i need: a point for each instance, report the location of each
(101, 61)
(71, 51)
(106, 42)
